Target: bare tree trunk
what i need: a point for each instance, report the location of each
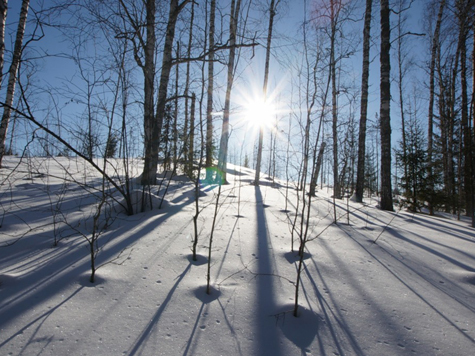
(191, 151)
(360, 174)
(472, 109)
(3, 19)
(189, 134)
(310, 102)
(336, 176)
(430, 135)
(444, 118)
(304, 213)
(451, 151)
(385, 114)
(152, 138)
(465, 11)
(313, 184)
(175, 115)
(316, 170)
(223, 147)
(209, 108)
(196, 178)
(400, 63)
(12, 73)
(148, 68)
(272, 11)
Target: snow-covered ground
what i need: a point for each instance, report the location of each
(411, 292)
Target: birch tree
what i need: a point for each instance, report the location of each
(272, 11)
(12, 73)
(209, 103)
(147, 64)
(360, 175)
(334, 14)
(188, 145)
(402, 68)
(153, 122)
(223, 146)
(3, 18)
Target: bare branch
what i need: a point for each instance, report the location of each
(213, 50)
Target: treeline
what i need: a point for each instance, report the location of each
(164, 80)
(436, 164)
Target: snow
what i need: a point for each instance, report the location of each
(411, 292)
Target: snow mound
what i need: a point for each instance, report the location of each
(300, 330)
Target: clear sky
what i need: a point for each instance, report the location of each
(57, 72)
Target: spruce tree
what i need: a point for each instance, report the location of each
(414, 181)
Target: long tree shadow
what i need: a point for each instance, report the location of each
(442, 224)
(40, 319)
(267, 333)
(412, 285)
(340, 323)
(425, 247)
(52, 278)
(451, 289)
(141, 340)
(190, 346)
(336, 331)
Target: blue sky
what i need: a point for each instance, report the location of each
(57, 72)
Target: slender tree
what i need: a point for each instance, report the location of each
(223, 147)
(188, 149)
(3, 18)
(360, 173)
(465, 21)
(445, 70)
(147, 64)
(430, 125)
(174, 134)
(12, 73)
(402, 69)
(319, 161)
(272, 11)
(386, 202)
(472, 143)
(210, 89)
(334, 14)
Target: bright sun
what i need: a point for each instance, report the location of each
(260, 113)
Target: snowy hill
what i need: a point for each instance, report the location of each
(411, 292)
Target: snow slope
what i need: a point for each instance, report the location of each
(411, 292)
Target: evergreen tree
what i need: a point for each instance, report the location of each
(414, 181)
(371, 174)
(111, 146)
(246, 161)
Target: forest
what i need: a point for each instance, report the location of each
(316, 158)
(382, 92)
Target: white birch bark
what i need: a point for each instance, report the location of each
(12, 76)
